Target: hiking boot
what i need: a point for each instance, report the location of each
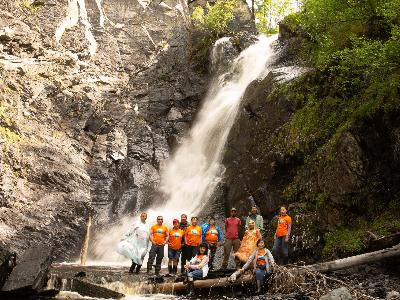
(138, 269)
(132, 268)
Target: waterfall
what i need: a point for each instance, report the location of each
(77, 12)
(195, 169)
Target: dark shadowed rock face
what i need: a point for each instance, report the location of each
(356, 178)
(85, 131)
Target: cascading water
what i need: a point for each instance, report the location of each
(190, 177)
(195, 169)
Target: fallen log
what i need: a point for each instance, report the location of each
(356, 260)
(171, 287)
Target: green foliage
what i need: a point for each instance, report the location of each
(343, 241)
(356, 49)
(215, 18)
(269, 13)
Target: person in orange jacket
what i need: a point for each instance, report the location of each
(192, 241)
(158, 237)
(174, 246)
(282, 235)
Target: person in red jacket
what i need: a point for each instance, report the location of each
(232, 225)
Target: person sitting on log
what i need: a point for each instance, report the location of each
(159, 237)
(282, 235)
(174, 246)
(197, 268)
(262, 262)
(212, 236)
(249, 242)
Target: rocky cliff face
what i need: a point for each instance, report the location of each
(348, 184)
(94, 95)
(84, 129)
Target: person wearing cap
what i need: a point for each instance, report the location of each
(212, 236)
(282, 235)
(174, 246)
(159, 237)
(256, 217)
(232, 225)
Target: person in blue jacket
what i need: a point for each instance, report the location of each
(212, 236)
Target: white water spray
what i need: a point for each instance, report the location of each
(190, 177)
(195, 169)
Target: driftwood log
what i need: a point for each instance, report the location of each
(356, 260)
(169, 287)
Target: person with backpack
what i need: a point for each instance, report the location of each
(212, 236)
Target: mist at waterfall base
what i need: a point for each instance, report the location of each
(194, 170)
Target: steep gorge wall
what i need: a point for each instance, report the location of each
(84, 133)
(89, 114)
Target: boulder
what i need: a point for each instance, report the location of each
(7, 263)
(30, 275)
(338, 294)
(393, 295)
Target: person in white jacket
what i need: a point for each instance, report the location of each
(197, 267)
(135, 243)
(262, 263)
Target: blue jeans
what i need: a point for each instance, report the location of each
(173, 254)
(196, 274)
(261, 274)
(280, 244)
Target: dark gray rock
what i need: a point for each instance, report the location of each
(338, 294)
(30, 274)
(7, 263)
(88, 289)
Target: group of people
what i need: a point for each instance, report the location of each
(195, 246)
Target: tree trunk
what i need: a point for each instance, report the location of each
(356, 260)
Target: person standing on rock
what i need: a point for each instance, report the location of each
(192, 240)
(212, 236)
(249, 242)
(256, 217)
(262, 262)
(282, 235)
(174, 246)
(159, 237)
(182, 225)
(135, 243)
(232, 225)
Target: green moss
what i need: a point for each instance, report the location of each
(343, 241)
(386, 224)
(292, 22)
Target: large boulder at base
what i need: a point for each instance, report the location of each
(30, 274)
(393, 295)
(338, 294)
(7, 263)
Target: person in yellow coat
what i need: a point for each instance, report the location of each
(249, 242)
